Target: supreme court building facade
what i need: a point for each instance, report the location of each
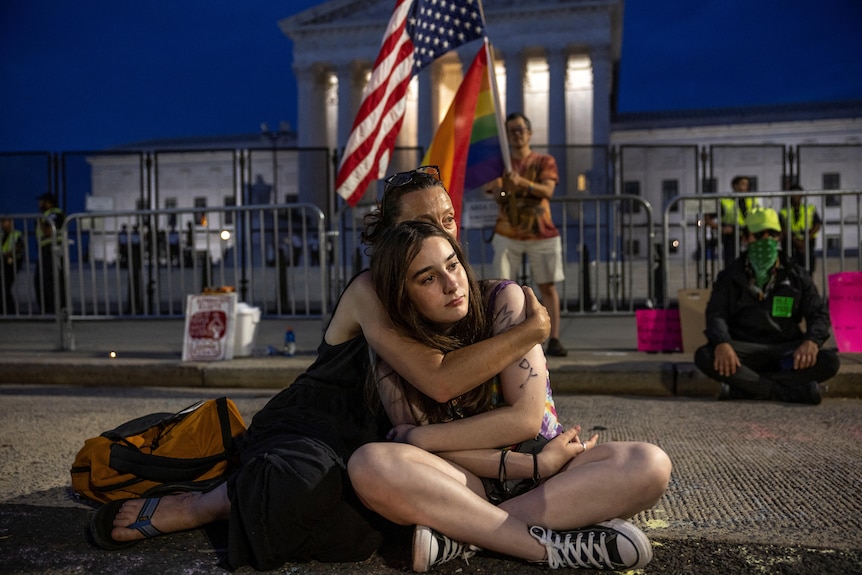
(554, 62)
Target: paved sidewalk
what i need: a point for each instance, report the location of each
(756, 487)
(603, 359)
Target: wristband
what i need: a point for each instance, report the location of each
(501, 472)
(536, 476)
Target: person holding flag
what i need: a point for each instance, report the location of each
(524, 225)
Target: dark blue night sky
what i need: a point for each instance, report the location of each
(90, 75)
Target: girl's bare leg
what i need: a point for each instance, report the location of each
(616, 479)
(410, 486)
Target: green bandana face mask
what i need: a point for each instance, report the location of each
(762, 255)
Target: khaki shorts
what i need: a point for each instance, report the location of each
(545, 258)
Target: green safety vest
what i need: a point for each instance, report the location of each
(730, 212)
(801, 222)
(47, 241)
(10, 240)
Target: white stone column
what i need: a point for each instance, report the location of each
(557, 122)
(428, 103)
(348, 74)
(515, 71)
(601, 64)
(311, 119)
(406, 137)
(311, 133)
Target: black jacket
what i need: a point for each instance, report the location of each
(734, 312)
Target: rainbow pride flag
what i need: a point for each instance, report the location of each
(466, 145)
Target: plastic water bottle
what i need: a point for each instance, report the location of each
(289, 343)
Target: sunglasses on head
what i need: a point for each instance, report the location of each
(419, 175)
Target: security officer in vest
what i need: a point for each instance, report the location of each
(756, 347)
(802, 222)
(733, 214)
(50, 268)
(12, 249)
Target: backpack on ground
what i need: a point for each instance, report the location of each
(161, 452)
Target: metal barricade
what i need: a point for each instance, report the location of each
(608, 251)
(144, 264)
(698, 258)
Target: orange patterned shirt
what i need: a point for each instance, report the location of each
(527, 217)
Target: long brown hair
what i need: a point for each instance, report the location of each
(392, 256)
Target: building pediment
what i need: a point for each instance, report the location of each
(345, 30)
(336, 32)
(337, 14)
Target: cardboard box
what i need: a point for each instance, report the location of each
(692, 317)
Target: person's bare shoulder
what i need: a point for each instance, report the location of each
(357, 298)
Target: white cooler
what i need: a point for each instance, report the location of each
(247, 318)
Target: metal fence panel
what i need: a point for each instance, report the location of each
(681, 274)
(129, 264)
(147, 227)
(609, 267)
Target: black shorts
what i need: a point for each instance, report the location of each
(293, 502)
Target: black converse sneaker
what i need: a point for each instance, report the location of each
(431, 548)
(614, 544)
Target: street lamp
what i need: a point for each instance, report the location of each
(225, 238)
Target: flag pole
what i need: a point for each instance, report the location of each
(500, 117)
(498, 109)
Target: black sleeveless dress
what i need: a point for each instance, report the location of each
(291, 498)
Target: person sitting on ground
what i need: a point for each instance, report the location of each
(290, 498)
(455, 491)
(755, 345)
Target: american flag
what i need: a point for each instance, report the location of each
(418, 32)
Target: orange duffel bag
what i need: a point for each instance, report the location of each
(190, 450)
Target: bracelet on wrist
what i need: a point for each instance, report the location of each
(536, 476)
(501, 472)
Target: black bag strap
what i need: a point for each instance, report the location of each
(126, 458)
(158, 468)
(224, 423)
(137, 426)
(141, 424)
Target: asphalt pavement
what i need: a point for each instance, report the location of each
(757, 487)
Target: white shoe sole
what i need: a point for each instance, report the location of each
(638, 539)
(422, 548)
